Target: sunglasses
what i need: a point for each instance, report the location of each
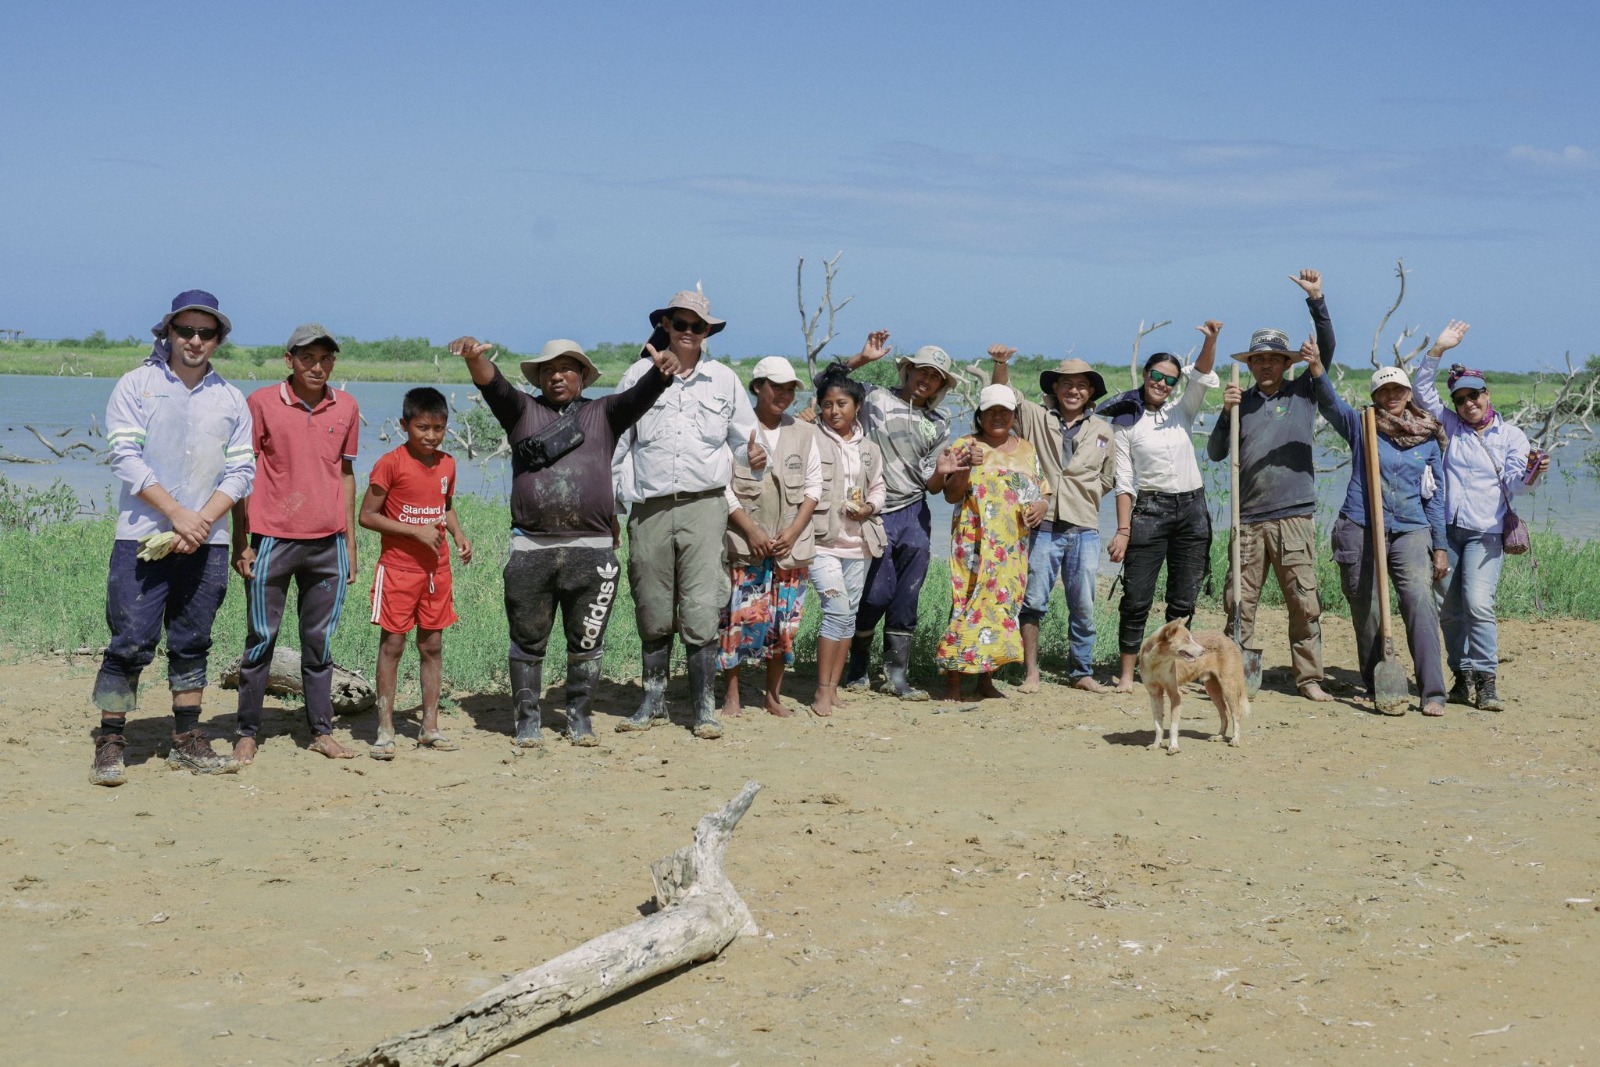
(1157, 376)
(696, 327)
(205, 333)
(1465, 396)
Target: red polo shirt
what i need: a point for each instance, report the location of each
(299, 489)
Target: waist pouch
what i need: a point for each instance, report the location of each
(551, 443)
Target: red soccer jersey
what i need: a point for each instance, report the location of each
(417, 494)
(299, 488)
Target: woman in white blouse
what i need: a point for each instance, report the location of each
(1161, 501)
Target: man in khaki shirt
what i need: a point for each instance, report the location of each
(1078, 453)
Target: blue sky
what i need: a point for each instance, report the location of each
(1041, 174)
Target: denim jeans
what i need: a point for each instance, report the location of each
(839, 582)
(1466, 599)
(1410, 564)
(894, 579)
(1074, 555)
(1170, 528)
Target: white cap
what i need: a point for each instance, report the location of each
(1389, 376)
(776, 370)
(997, 396)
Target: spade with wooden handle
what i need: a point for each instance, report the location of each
(1390, 690)
(1252, 659)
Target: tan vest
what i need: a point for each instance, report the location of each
(828, 520)
(772, 498)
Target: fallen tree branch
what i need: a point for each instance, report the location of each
(699, 914)
(351, 692)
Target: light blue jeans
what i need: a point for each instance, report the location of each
(1074, 556)
(839, 583)
(1466, 600)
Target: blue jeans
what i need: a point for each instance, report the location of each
(1074, 555)
(894, 579)
(839, 582)
(1466, 599)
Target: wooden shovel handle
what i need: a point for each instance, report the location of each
(1380, 543)
(1233, 471)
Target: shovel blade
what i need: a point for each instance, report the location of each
(1390, 690)
(1252, 670)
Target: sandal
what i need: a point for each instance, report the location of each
(383, 747)
(436, 741)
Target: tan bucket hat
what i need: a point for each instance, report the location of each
(690, 300)
(1047, 379)
(928, 356)
(555, 350)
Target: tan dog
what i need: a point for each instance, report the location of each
(1172, 657)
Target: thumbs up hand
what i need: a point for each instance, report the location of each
(758, 454)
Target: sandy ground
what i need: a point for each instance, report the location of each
(1025, 882)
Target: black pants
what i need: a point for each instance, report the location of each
(581, 581)
(1170, 528)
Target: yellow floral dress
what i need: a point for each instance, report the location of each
(989, 560)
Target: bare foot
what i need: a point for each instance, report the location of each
(325, 744)
(733, 711)
(1089, 685)
(1030, 683)
(1313, 691)
(244, 751)
(775, 707)
(821, 706)
(952, 693)
(1124, 685)
(986, 689)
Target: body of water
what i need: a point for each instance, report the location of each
(65, 409)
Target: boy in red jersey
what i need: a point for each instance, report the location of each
(408, 501)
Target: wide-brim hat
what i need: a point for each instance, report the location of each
(193, 300)
(1268, 342)
(1388, 376)
(1047, 379)
(690, 300)
(928, 356)
(555, 350)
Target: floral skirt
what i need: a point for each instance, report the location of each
(763, 614)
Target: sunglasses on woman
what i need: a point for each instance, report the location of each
(205, 333)
(1465, 396)
(1157, 376)
(696, 327)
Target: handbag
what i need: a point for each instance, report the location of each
(542, 449)
(1514, 537)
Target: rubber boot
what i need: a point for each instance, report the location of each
(702, 690)
(1488, 697)
(656, 658)
(583, 676)
(855, 673)
(1252, 670)
(527, 679)
(1465, 691)
(896, 656)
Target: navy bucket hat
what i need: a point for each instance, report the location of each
(193, 300)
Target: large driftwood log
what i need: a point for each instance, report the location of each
(351, 692)
(699, 914)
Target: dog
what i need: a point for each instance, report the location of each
(1172, 657)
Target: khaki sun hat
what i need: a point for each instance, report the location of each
(928, 356)
(1047, 379)
(690, 300)
(1270, 342)
(555, 350)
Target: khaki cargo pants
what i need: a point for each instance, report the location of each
(1289, 547)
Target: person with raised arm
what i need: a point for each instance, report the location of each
(1488, 462)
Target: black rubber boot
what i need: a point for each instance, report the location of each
(855, 672)
(896, 656)
(1488, 698)
(702, 690)
(656, 657)
(1465, 691)
(583, 675)
(527, 680)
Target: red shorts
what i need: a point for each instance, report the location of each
(404, 599)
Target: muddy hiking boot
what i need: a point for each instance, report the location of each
(1488, 697)
(583, 675)
(702, 692)
(1465, 691)
(108, 752)
(656, 657)
(192, 752)
(896, 657)
(855, 673)
(527, 680)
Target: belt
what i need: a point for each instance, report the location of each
(698, 494)
(1177, 498)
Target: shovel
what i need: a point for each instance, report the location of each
(1252, 658)
(1390, 690)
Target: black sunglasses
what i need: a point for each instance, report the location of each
(205, 333)
(697, 327)
(1157, 376)
(1465, 396)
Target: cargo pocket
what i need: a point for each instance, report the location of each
(1349, 542)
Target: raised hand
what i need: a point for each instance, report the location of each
(876, 347)
(1450, 336)
(758, 454)
(665, 362)
(1001, 354)
(1211, 328)
(809, 412)
(469, 348)
(1311, 281)
(1311, 356)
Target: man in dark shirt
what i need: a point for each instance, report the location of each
(563, 551)
(1278, 492)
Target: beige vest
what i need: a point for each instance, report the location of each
(772, 498)
(828, 520)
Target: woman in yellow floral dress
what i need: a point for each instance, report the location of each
(1002, 495)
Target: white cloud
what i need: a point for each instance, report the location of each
(1569, 158)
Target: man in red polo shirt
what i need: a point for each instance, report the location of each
(298, 524)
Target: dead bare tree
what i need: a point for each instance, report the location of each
(1138, 339)
(1569, 415)
(1401, 360)
(808, 325)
